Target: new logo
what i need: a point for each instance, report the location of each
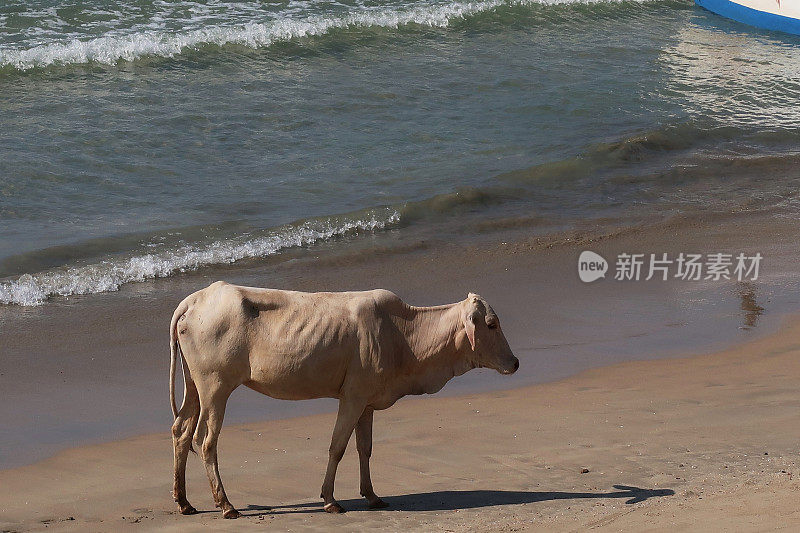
(591, 266)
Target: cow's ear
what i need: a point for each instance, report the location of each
(469, 327)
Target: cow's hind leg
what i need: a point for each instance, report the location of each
(364, 445)
(182, 430)
(349, 413)
(212, 412)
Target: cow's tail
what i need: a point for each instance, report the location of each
(175, 352)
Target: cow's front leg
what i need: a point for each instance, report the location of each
(349, 413)
(364, 445)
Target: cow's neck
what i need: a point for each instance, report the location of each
(439, 346)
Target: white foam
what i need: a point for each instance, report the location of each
(110, 49)
(105, 276)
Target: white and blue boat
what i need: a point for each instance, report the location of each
(777, 15)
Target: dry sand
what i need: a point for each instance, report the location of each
(702, 443)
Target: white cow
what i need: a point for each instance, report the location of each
(367, 349)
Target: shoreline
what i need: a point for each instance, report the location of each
(106, 376)
(667, 458)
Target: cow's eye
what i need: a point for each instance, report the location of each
(493, 325)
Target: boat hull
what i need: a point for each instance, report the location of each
(765, 14)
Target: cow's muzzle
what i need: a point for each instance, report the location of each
(511, 369)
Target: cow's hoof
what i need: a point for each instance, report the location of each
(378, 504)
(188, 509)
(333, 508)
(231, 514)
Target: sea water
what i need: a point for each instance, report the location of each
(142, 139)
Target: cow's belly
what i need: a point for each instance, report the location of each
(297, 376)
(292, 388)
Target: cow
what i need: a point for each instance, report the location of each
(366, 349)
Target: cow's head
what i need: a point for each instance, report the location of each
(490, 348)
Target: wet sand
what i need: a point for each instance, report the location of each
(708, 442)
(93, 369)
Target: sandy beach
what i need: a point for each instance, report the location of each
(696, 435)
(676, 444)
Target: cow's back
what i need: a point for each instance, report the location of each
(286, 344)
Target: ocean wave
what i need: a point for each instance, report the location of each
(111, 49)
(646, 147)
(110, 275)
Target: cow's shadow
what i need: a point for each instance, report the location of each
(450, 500)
